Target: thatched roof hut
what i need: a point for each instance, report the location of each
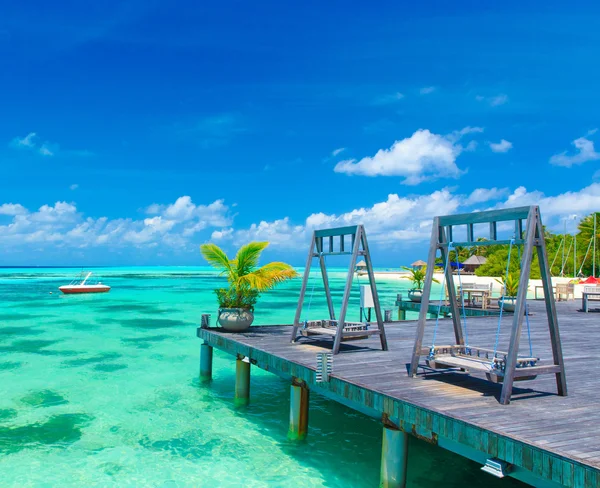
(473, 262)
(419, 264)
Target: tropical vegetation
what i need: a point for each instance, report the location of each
(581, 246)
(246, 279)
(510, 285)
(417, 276)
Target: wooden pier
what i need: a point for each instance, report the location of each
(540, 438)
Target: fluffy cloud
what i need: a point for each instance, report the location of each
(422, 156)
(501, 147)
(581, 202)
(12, 209)
(31, 143)
(482, 195)
(193, 217)
(585, 152)
(27, 141)
(408, 219)
(396, 218)
(62, 224)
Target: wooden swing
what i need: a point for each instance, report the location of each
(339, 329)
(498, 366)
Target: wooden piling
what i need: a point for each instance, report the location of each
(394, 458)
(299, 397)
(206, 361)
(242, 381)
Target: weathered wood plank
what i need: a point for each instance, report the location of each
(555, 437)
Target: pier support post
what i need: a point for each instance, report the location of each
(206, 362)
(242, 381)
(394, 458)
(401, 314)
(299, 396)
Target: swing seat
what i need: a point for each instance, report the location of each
(352, 330)
(470, 358)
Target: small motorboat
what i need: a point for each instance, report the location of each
(84, 286)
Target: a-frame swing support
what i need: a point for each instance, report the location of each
(531, 237)
(333, 242)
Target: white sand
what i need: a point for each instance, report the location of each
(480, 280)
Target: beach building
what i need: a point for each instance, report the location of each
(473, 262)
(419, 264)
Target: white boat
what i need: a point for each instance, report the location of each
(84, 286)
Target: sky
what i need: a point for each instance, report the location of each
(131, 132)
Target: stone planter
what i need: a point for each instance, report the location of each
(509, 304)
(415, 295)
(235, 319)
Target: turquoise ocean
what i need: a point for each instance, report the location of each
(102, 390)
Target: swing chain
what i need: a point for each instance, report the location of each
(312, 291)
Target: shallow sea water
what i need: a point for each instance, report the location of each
(102, 390)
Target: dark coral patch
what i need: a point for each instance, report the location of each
(151, 324)
(43, 398)
(109, 367)
(144, 342)
(58, 431)
(107, 356)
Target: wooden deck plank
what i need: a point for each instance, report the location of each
(556, 437)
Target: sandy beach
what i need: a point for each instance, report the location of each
(482, 280)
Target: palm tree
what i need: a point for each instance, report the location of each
(480, 250)
(586, 235)
(246, 279)
(417, 276)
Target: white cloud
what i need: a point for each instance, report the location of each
(44, 150)
(388, 99)
(426, 90)
(422, 156)
(32, 143)
(27, 141)
(493, 101)
(481, 195)
(397, 218)
(337, 151)
(198, 216)
(408, 219)
(12, 209)
(501, 147)
(498, 100)
(74, 186)
(556, 208)
(585, 152)
(64, 226)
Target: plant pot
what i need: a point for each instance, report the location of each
(415, 295)
(235, 319)
(509, 303)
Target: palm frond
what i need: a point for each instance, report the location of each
(216, 257)
(247, 257)
(268, 276)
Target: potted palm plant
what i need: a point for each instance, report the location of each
(509, 293)
(417, 277)
(246, 281)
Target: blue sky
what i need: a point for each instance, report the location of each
(131, 132)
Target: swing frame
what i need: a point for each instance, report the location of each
(340, 329)
(513, 367)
